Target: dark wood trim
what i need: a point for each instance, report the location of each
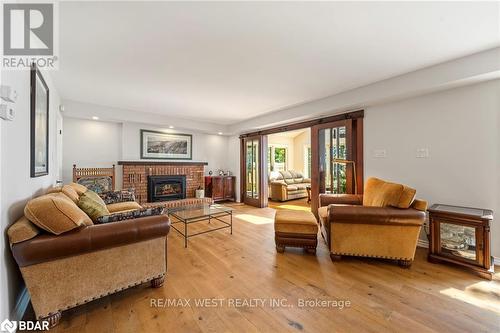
(142, 131)
(148, 162)
(262, 200)
(34, 73)
(354, 139)
(306, 124)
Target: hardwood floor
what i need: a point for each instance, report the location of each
(245, 265)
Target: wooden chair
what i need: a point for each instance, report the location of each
(86, 176)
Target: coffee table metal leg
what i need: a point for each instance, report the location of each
(185, 235)
(231, 214)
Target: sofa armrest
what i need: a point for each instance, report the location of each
(340, 199)
(278, 183)
(376, 215)
(47, 247)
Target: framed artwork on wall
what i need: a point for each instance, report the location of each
(39, 124)
(166, 146)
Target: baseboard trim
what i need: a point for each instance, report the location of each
(21, 305)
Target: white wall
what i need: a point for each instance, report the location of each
(17, 187)
(206, 147)
(460, 129)
(90, 143)
(300, 142)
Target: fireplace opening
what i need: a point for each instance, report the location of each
(165, 188)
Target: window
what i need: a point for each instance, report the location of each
(277, 158)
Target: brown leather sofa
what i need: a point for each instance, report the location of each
(385, 222)
(91, 261)
(288, 185)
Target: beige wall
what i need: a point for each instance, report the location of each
(300, 142)
(17, 186)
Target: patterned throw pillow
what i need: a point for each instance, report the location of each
(97, 184)
(112, 197)
(92, 205)
(131, 215)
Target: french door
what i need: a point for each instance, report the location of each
(336, 159)
(253, 176)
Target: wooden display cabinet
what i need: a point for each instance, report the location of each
(220, 188)
(461, 235)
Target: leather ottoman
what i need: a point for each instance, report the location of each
(295, 228)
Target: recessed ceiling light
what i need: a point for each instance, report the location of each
(220, 133)
(95, 118)
(170, 126)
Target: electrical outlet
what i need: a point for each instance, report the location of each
(422, 153)
(380, 153)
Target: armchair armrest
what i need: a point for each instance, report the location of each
(376, 215)
(92, 238)
(340, 199)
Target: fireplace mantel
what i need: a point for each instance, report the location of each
(156, 162)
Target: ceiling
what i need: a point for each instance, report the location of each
(226, 62)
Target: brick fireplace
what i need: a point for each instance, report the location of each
(135, 175)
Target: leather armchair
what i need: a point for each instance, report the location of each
(351, 229)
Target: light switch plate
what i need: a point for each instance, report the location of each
(7, 112)
(422, 153)
(380, 153)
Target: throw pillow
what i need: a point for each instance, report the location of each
(112, 197)
(92, 205)
(55, 213)
(160, 210)
(80, 189)
(22, 230)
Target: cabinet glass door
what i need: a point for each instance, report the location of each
(458, 241)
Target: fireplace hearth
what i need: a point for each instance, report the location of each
(166, 188)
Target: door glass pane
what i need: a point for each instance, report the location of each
(249, 168)
(256, 169)
(332, 145)
(458, 240)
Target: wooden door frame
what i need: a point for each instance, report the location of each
(354, 132)
(356, 118)
(262, 179)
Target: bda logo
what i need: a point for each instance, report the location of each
(8, 326)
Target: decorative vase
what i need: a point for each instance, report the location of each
(200, 194)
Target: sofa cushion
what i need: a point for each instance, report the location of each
(55, 213)
(67, 190)
(301, 186)
(99, 184)
(379, 193)
(92, 205)
(22, 230)
(291, 188)
(296, 174)
(121, 207)
(295, 222)
(80, 189)
(134, 214)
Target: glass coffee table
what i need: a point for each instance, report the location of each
(196, 213)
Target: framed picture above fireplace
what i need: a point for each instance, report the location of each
(166, 146)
